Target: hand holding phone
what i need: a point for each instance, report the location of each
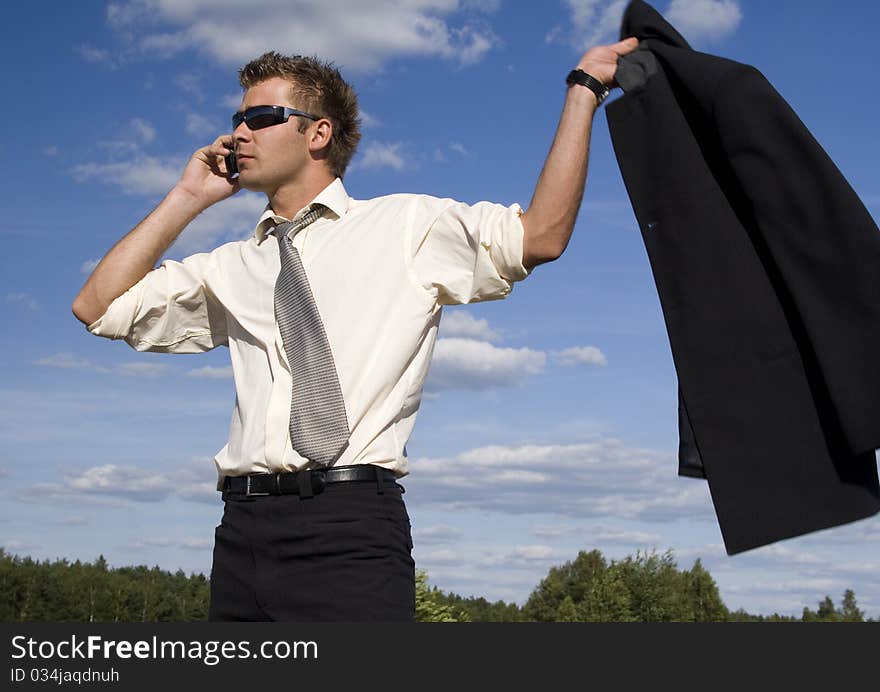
(205, 178)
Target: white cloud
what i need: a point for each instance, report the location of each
(553, 531)
(58, 495)
(709, 20)
(191, 84)
(232, 101)
(597, 535)
(380, 155)
(145, 543)
(444, 556)
(598, 478)
(141, 369)
(486, 568)
(457, 147)
(197, 543)
(474, 42)
(487, 6)
(360, 35)
(606, 534)
(123, 481)
(92, 54)
(212, 372)
(145, 175)
(592, 23)
(856, 533)
(459, 322)
(368, 120)
(131, 139)
(76, 520)
(533, 552)
(597, 22)
(197, 124)
(123, 14)
(89, 265)
(436, 534)
(165, 45)
(24, 299)
(470, 364)
(68, 361)
(819, 585)
(143, 131)
(19, 547)
(141, 544)
(119, 484)
(580, 355)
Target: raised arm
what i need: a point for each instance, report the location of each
(549, 220)
(203, 183)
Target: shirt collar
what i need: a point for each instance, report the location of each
(334, 197)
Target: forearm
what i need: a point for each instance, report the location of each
(133, 256)
(550, 218)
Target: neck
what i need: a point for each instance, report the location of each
(289, 198)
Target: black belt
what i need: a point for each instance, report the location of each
(308, 482)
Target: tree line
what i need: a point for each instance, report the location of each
(640, 588)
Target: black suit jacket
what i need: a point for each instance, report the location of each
(768, 270)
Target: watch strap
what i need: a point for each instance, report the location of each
(578, 76)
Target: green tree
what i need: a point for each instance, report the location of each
(657, 588)
(571, 579)
(827, 612)
(608, 599)
(849, 611)
(430, 606)
(567, 611)
(702, 592)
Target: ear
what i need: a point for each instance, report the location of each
(320, 134)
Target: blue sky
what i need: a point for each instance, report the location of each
(105, 450)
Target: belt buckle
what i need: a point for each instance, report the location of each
(248, 492)
(319, 480)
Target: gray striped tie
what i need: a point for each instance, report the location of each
(318, 424)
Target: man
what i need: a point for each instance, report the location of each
(330, 312)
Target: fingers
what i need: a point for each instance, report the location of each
(627, 45)
(601, 61)
(213, 153)
(223, 145)
(225, 140)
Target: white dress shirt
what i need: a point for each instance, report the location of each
(380, 271)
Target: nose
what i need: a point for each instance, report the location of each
(241, 133)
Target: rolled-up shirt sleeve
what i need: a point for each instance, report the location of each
(470, 253)
(170, 310)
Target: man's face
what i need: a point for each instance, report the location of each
(272, 156)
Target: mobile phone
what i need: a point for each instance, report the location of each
(231, 165)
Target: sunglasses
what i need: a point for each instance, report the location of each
(258, 117)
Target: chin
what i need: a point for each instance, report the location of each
(248, 182)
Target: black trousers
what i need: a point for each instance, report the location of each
(341, 555)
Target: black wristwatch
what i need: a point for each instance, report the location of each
(578, 76)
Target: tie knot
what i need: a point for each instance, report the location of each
(312, 214)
